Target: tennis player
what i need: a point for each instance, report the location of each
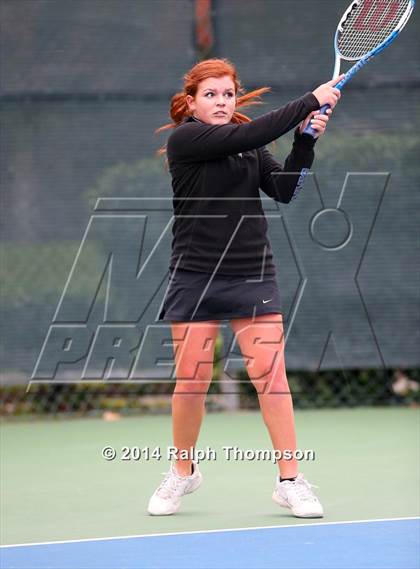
(222, 263)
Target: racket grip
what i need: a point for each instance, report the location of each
(309, 129)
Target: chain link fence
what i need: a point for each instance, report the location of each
(85, 84)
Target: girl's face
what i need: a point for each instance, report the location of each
(215, 100)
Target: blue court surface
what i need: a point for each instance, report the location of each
(373, 544)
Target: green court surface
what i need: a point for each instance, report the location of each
(56, 485)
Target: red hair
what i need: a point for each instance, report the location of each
(201, 71)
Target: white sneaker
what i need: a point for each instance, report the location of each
(299, 497)
(167, 498)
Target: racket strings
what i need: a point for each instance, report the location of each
(368, 25)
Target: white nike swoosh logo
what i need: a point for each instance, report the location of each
(265, 301)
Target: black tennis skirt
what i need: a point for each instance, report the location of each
(196, 296)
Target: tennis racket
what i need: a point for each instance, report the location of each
(366, 28)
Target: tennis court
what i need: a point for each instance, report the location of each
(84, 511)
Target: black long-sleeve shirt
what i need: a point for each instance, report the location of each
(215, 171)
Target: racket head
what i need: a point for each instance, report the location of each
(367, 24)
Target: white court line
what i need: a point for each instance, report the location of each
(208, 531)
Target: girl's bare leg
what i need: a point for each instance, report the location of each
(194, 344)
(261, 340)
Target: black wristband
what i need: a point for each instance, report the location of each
(304, 139)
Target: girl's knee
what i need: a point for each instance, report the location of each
(193, 379)
(265, 381)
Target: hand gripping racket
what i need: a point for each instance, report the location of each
(366, 28)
